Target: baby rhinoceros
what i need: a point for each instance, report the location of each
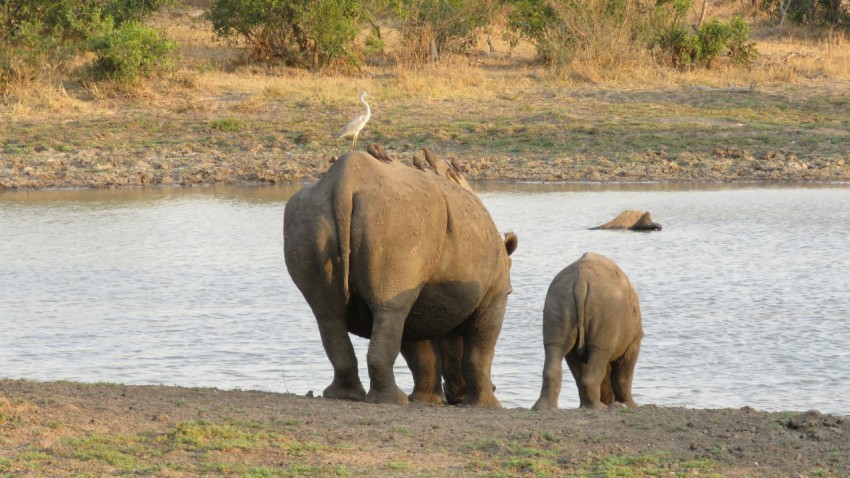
(591, 318)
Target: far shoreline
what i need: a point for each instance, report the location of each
(93, 170)
(476, 184)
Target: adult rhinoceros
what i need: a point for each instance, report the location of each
(400, 256)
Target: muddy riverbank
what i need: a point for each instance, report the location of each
(98, 169)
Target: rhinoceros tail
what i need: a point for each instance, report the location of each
(581, 292)
(343, 208)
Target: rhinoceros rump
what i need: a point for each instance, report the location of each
(592, 319)
(387, 252)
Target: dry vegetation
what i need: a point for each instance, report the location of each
(220, 119)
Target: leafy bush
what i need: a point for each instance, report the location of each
(601, 33)
(302, 33)
(741, 48)
(131, 51)
(713, 38)
(679, 46)
(537, 21)
(805, 12)
(123, 11)
(68, 22)
(675, 43)
(38, 37)
(431, 27)
(374, 43)
(605, 33)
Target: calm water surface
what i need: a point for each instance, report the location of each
(745, 293)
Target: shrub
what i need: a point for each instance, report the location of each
(131, 51)
(741, 49)
(605, 33)
(302, 33)
(123, 11)
(712, 38)
(538, 22)
(38, 37)
(805, 12)
(431, 27)
(601, 33)
(676, 45)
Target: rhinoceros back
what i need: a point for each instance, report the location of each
(379, 235)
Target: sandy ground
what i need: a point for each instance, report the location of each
(72, 429)
(91, 169)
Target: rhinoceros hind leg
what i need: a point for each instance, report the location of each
(606, 389)
(424, 365)
(622, 373)
(396, 397)
(384, 347)
(479, 344)
(592, 375)
(451, 364)
(428, 398)
(345, 392)
(346, 383)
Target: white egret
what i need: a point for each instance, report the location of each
(353, 128)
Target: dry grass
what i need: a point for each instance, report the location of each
(506, 114)
(212, 77)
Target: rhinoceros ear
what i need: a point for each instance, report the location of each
(511, 242)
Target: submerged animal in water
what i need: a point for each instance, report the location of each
(633, 221)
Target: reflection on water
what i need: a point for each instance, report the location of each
(744, 294)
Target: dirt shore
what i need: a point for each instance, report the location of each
(95, 169)
(72, 429)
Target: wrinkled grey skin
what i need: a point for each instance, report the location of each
(444, 354)
(386, 252)
(591, 318)
(633, 221)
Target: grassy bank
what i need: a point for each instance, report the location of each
(218, 120)
(71, 429)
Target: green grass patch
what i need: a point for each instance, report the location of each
(33, 459)
(185, 447)
(627, 466)
(204, 435)
(226, 124)
(535, 466)
(518, 458)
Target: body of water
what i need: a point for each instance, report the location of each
(745, 293)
